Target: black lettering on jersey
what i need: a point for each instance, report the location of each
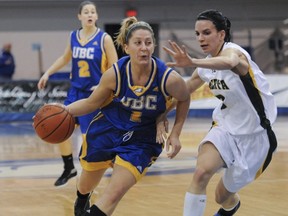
(218, 84)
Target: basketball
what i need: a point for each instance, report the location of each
(53, 123)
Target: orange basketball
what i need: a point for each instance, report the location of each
(53, 123)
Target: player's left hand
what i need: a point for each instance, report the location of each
(175, 145)
(180, 55)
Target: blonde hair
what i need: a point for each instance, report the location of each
(128, 26)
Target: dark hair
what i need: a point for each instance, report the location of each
(220, 22)
(85, 3)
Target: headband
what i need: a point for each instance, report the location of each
(136, 25)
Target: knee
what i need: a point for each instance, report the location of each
(201, 177)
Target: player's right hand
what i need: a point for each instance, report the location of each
(42, 82)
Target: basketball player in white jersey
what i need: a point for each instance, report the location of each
(241, 139)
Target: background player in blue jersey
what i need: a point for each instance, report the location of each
(241, 139)
(92, 52)
(131, 94)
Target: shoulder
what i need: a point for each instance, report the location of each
(236, 47)
(123, 60)
(102, 33)
(105, 37)
(73, 34)
(121, 63)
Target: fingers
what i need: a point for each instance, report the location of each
(184, 50)
(166, 125)
(161, 135)
(174, 151)
(176, 47)
(162, 129)
(169, 51)
(159, 138)
(171, 64)
(173, 147)
(41, 84)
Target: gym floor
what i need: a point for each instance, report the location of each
(29, 168)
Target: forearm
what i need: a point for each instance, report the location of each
(82, 107)
(216, 63)
(57, 65)
(182, 109)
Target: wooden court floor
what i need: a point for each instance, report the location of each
(29, 167)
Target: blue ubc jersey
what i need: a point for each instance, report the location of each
(137, 107)
(89, 60)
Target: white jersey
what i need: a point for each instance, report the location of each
(237, 113)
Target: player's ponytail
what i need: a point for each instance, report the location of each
(121, 36)
(128, 26)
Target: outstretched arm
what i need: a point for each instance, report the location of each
(229, 59)
(98, 98)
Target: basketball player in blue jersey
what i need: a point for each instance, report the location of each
(131, 95)
(241, 139)
(92, 52)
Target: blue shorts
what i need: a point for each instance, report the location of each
(105, 145)
(73, 95)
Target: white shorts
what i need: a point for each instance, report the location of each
(243, 155)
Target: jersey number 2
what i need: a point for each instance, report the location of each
(83, 69)
(222, 98)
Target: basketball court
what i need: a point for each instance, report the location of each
(29, 168)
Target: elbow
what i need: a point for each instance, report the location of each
(232, 62)
(66, 60)
(185, 99)
(231, 65)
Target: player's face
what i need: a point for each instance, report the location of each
(140, 46)
(88, 16)
(209, 38)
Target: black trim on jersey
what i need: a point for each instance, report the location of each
(164, 81)
(118, 81)
(257, 102)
